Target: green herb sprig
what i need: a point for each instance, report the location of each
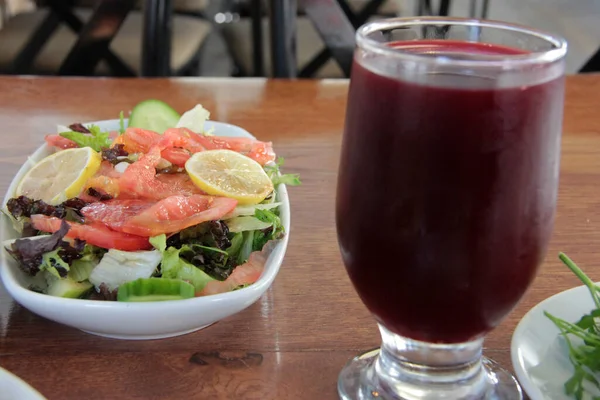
(96, 139)
(584, 357)
(273, 171)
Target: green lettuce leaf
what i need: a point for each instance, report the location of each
(273, 171)
(121, 123)
(82, 268)
(96, 139)
(236, 244)
(54, 264)
(212, 260)
(246, 247)
(159, 242)
(174, 267)
(274, 232)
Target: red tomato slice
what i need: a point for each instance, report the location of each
(138, 178)
(261, 152)
(137, 140)
(144, 218)
(140, 181)
(184, 138)
(177, 143)
(95, 234)
(114, 213)
(176, 155)
(176, 213)
(178, 184)
(60, 142)
(174, 143)
(244, 274)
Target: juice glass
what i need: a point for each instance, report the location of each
(446, 195)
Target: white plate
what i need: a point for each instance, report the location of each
(138, 320)
(14, 388)
(539, 356)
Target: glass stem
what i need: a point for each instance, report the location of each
(450, 371)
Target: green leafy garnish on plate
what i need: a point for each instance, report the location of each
(585, 352)
(96, 139)
(273, 171)
(121, 123)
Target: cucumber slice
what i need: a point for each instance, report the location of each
(67, 287)
(155, 289)
(154, 115)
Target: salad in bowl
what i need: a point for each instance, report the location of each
(160, 209)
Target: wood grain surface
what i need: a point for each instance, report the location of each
(292, 343)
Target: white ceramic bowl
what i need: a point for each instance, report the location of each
(138, 321)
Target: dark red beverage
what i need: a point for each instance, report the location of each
(446, 195)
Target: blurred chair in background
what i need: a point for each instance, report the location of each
(592, 64)
(103, 37)
(280, 38)
(249, 46)
(322, 50)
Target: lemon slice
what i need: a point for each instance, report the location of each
(60, 176)
(229, 174)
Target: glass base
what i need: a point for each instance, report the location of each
(359, 380)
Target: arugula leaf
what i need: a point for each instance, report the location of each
(270, 217)
(275, 231)
(273, 171)
(246, 247)
(211, 260)
(121, 123)
(96, 139)
(584, 357)
(287, 179)
(236, 244)
(194, 263)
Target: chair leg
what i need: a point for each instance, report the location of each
(156, 46)
(314, 65)
(24, 60)
(283, 38)
(444, 9)
(258, 60)
(485, 5)
(3, 12)
(64, 11)
(484, 8)
(318, 61)
(593, 64)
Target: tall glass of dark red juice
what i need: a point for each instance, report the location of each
(446, 196)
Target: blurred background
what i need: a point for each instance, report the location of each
(280, 38)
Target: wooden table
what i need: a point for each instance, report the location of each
(292, 343)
